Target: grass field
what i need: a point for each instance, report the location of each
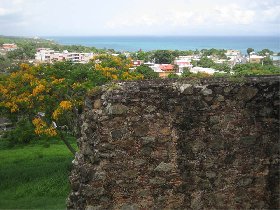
(34, 176)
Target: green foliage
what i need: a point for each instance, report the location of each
(163, 56)
(35, 176)
(209, 63)
(236, 78)
(172, 75)
(84, 74)
(27, 48)
(147, 72)
(19, 54)
(249, 50)
(265, 52)
(267, 61)
(220, 74)
(56, 90)
(142, 55)
(189, 74)
(186, 72)
(206, 62)
(194, 62)
(220, 54)
(222, 67)
(23, 133)
(183, 52)
(5, 64)
(255, 69)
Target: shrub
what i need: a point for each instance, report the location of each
(23, 133)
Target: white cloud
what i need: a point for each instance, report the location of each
(271, 15)
(233, 14)
(110, 17)
(183, 15)
(4, 11)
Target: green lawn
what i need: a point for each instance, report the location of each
(34, 176)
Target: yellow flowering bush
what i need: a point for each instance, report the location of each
(26, 91)
(41, 128)
(115, 67)
(50, 97)
(65, 105)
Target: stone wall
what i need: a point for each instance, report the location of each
(179, 144)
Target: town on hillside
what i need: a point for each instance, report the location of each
(222, 60)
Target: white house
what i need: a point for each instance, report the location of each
(203, 70)
(46, 55)
(234, 57)
(183, 64)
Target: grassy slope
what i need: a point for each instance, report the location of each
(34, 176)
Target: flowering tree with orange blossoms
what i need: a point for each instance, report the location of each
(49, 96)
(116, 67)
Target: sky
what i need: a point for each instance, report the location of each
(140, 17)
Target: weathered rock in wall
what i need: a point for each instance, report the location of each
(179, 144)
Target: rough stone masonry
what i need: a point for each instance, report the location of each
(179, 144)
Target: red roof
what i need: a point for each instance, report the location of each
(168, 67)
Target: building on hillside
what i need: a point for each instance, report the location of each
(256, 59)
(126, 54)
(149, 64)
(234, 57)
(203, 70)
(188, 57)
(46, 55)
(156, 68)
(220, 61)
(183, 63)
(235, 53)
(163, 70)
(136, 63)
(9, 47)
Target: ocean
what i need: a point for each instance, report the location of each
(147, 43)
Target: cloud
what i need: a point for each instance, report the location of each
(233, 14)
(110, 17)
(4, 12)
(271, 15)
(10, 11)
(183, 15)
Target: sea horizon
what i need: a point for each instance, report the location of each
(160, 42)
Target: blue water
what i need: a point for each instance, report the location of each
(147, 43)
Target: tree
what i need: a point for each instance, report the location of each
(141, 55)
(194, 62)
(147, 72)
(206, 62)
(267, 61)
(265, 52)
(173, 76)
(222, 67)
(115, 67)
(249, 50)
(255, 69)
(186, 72)
(214, 52)
(163, 56)
(49, 96)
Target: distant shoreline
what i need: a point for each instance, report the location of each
(148, 43)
